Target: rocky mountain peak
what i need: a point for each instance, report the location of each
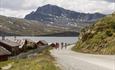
(58, 15)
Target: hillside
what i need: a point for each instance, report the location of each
(64, 34)
(52, 14)
(36, 61)
(17, 26)
(98, 38)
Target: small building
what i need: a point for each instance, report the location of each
(27, 44)
(30, 44)
(22, 46)
(11, 46)
(42, 43)
(53, 45)
(4, 54)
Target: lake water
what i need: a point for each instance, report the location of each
(48, 39)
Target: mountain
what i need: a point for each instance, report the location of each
(53, 14)
(64, 34)
(98, 38)
(2, 33)
(47, 20)
(17, 26)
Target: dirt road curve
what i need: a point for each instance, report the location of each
(69, 60)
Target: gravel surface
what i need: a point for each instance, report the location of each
(70, 60)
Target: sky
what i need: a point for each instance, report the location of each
(20, 8)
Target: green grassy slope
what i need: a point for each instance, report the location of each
(43, 61)
(98, 38)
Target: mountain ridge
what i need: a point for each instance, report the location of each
(58, 15)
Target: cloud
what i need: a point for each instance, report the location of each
(110, 1)
(14, 13)
(11, 4)
(13, 7)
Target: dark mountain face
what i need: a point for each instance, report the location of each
(54, 14)
(50, 9)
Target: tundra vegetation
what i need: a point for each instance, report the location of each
(42, 61)
(98, 38)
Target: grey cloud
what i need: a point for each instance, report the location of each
(18, 4)
(11, 4)
(110, 1)
(113, 1)
(14, 5)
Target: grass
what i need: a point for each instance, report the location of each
(43, 61)
(98, 38)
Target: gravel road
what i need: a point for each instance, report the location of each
(70, 60)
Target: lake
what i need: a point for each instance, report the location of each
(48, 39)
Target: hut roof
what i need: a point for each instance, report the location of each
(29, 40)
(10, 43)
(43, 41)
(4, 51)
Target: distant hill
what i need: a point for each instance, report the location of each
(64, 34)
(98, 38)
(53, 14)
(16, 26)
(2, 33)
